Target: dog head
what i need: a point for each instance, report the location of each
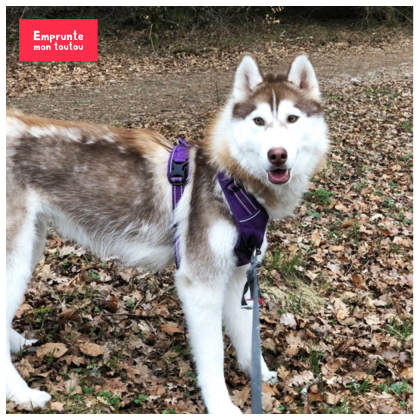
(277, 126)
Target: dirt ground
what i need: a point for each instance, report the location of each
(337, 278)
(194, 94)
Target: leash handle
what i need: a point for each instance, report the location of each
(256, 381)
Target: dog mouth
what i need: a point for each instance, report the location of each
(279, 176)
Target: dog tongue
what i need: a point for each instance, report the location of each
(278, 176)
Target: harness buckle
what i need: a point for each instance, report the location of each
(178, 174)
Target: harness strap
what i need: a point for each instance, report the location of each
(178, 173)
(250, 216)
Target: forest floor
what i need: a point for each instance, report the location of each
(337, 278)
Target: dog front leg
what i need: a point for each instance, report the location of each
(238, 322)
(21, 236)
(202, 304)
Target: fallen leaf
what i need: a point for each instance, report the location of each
(297, 338)
(67, 250)
(332, 399)
(283, 373)
(347, 321)
(10, 407)
(385, 409)
(51, 349)
(292, 350)
(240, 397)
(269, 343)
(159, 391)
(76, 360)
(314, 397)
(25, 368)
(288, 319)
(330, 367)
(358, 281)
(170, 329)
(44, 374)
(341, 207)
(267, 388)
(115, 385)
(390, 354)
(407, 373)
(112, 304)
(68, 315)
(267, 404)
(316, 238)
(334, 268)
(91, 349)
(372, 319)
(305, 377)
(57, 406)
(341, 309)
(45, 273)
(404, 357)
(24, 307)
(71, 386)
(134, 342)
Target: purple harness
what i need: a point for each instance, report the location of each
(178, 173)
(250, 216)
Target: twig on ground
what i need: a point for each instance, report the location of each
(304, 393)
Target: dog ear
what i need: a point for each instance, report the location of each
(247, 76)
(302, 74)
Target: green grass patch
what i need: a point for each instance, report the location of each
(113, 400)
(316, 357)
(402, 331)
(319, 196)
(343, 408)
(299, 296)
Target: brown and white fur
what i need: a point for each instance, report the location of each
(106, 188)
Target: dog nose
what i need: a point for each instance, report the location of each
(277, 156)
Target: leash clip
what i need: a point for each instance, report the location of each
(249, 303)
(252, 276)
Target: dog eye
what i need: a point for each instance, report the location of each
(292, 118)
(259, 121)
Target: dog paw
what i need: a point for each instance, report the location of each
(30, 342)
(32, 398)
(270, 377)
(18, 341)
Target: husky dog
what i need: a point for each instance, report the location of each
(107, 188)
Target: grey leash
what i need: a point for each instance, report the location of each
(252, 283)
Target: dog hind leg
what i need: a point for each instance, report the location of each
(238, 324)
(40, 242)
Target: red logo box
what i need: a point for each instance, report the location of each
(58, 40)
